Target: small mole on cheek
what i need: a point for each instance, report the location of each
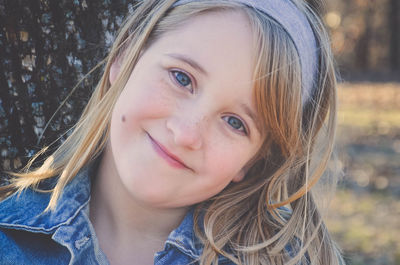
(123, 118)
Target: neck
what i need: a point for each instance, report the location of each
(124, 225)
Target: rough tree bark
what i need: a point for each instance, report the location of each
(394, 24)
(46, 46)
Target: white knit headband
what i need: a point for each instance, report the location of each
(295, 23)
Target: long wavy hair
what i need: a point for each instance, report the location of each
(271, 217)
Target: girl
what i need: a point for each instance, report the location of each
(198, 146)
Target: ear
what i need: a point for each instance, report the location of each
(239, 176)
(114, 70)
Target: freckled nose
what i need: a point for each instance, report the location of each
(186, 132)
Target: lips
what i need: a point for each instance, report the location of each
(170, 158)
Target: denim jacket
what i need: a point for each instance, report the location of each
(66, 235)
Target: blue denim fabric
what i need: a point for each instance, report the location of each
(66, 235)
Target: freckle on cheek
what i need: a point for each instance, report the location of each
(123, 118)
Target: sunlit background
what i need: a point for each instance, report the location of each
(365, 214)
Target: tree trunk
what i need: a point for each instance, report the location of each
(46, 46)
(394, 24)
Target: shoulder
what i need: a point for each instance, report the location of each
(23, 209)
(295, 246)
(22, 247)
(26, 210)
(28, 235)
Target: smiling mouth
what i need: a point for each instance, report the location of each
(170, 158)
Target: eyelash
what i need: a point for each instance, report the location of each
(174, 74)
(242, 124)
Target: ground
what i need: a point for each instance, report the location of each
(364, 216)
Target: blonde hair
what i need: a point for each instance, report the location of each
(245, 217)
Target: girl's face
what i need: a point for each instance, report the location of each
(185, 125)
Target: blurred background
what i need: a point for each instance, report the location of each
(365, 213)
(47, 46)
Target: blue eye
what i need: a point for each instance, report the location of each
(183, 79)
(235, 123)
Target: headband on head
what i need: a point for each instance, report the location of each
(295, 23)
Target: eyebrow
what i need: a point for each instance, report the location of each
(188, 61)
(252, 116)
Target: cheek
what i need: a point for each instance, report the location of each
(226, 161)
(227, 158)
(139, 101)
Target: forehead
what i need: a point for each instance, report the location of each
(221, 42)
(225, 34)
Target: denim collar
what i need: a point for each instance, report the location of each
(25, 210)
(184, 238)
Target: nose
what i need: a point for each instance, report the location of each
(186, 130)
